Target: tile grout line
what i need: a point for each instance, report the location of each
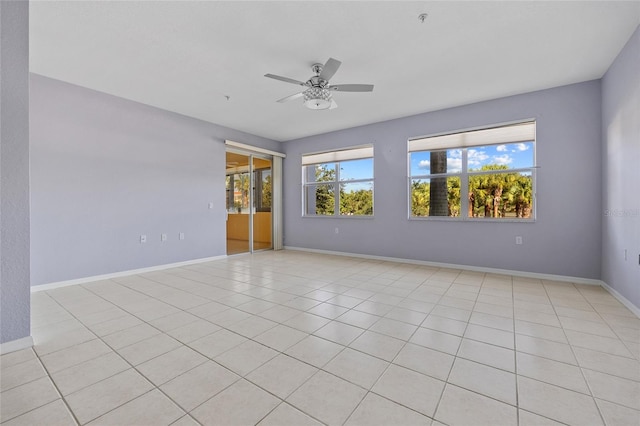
(50, 379)
(233, 372)
(55, 385)
(574, 354)
(387, 368)
(515, 351)
(446, 381)
(624, 342)
(212, 360)
(154, 386)
(185, 372)
(584, 377)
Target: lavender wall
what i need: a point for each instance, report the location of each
(565, 239)
(106, 170)
(621, 172)
(14, 171)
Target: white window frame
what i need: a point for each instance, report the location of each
(336, 157)
(497, 134)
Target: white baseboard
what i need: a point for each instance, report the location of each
(59, 284)
(626, 302)
(16, 345)
(549, 277)
(28, 341)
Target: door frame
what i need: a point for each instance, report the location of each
(276, 189)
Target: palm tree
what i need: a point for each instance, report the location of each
(453, 196)
(520, 194)
(438, 189)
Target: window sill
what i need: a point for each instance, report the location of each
(472, 220)
(337, 217)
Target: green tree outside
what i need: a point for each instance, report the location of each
(325, 198)
(495, 195)
(352, 202)
(359, 202)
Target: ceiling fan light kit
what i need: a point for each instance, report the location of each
(317, 98)
(317, 92)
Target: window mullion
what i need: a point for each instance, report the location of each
(336, 196)
(464, 187)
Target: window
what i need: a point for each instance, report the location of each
(474, 175)
(338, 183)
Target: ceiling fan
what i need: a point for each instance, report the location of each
(317, 90)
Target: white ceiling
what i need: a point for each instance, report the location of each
(187, 56)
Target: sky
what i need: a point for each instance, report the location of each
(515, 156)
(356, 169)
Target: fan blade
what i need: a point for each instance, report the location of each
(285, 79)
(334, 105)
(329, 69)
(352, 87)
(292, 97)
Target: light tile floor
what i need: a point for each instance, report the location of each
(293, 338)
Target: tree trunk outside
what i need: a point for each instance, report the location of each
(439, 205)
(519, 208)
(497, 197)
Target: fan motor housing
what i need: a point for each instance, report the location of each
(316, 81)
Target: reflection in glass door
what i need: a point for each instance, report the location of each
(261, 203)
(248, 186)
(238, 181)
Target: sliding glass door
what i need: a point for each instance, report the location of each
(249, 202)
(262, 200)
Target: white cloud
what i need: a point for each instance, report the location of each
(502, 159)
(501, 148)
(475, 157)
(454, 164)
(521, 147)
(455, 153)
(424, 164)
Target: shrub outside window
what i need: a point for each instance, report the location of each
(474, 175)
(338, 183)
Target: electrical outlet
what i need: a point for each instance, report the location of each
(519, 240)
(337, 231)
(210, 205)
(181, 236)
(143, 238)
(163, 237)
